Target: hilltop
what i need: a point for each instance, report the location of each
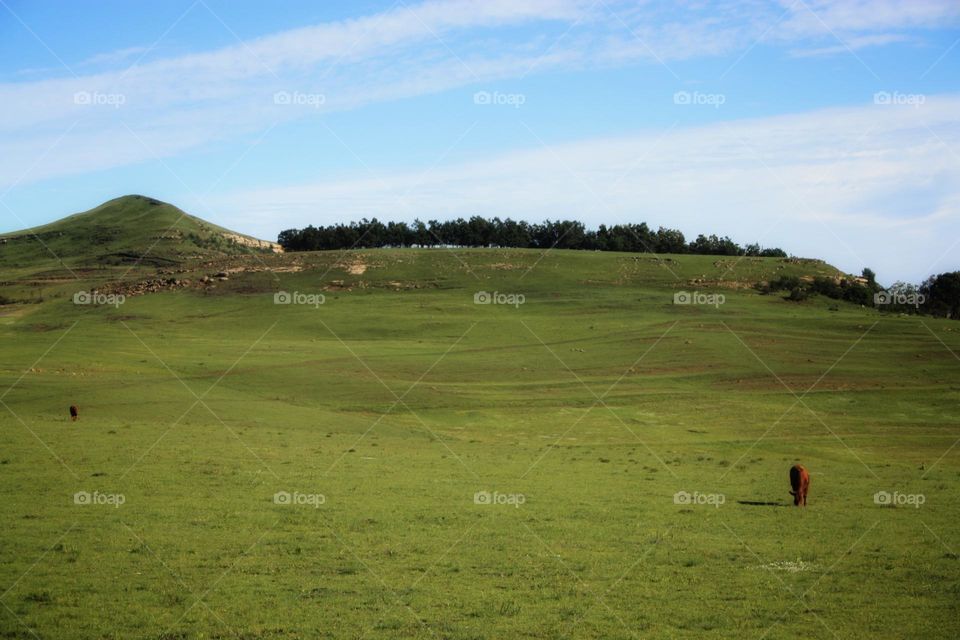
(136, 245)
(129, 230)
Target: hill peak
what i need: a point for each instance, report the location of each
(135, 198)
(128, 228)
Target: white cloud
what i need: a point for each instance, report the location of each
(851, 44)
(871, 186)
(829, 17)
(181, 103)
(115, 57)
(189, 101)
(303, 55)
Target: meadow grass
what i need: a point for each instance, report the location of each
(582, 412)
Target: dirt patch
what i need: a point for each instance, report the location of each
(337, 285)
(356, 268)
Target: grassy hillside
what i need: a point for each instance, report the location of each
(584, 409)
(126, 231)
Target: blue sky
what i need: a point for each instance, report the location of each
(829, 128)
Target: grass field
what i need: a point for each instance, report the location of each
(385, 411)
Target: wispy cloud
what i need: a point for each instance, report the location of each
(851, 44)
(180, 103)
(113, 57)
(828, 17)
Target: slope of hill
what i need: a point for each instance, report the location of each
(310, 432)
(128, 230)
(136, 244)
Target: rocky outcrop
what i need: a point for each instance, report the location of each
(253, 242)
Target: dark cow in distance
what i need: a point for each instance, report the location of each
(799, 484)
(74, 412)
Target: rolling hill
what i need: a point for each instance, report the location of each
(135, 239)
(466, 444)
(127, 230)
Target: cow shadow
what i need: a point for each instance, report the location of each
(756, 503)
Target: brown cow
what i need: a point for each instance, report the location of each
(74, 412)
(800, 484)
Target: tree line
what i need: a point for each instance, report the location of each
(481, 232)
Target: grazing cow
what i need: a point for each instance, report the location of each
(799, 483)
(74, 412)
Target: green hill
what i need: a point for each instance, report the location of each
(507, 443)
(128, 230)
(136, 244)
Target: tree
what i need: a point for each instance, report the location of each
(670, 241)
(942, 294)
(773, 253)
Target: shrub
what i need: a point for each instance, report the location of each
(785, 283)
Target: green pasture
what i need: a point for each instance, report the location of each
(473, 471)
